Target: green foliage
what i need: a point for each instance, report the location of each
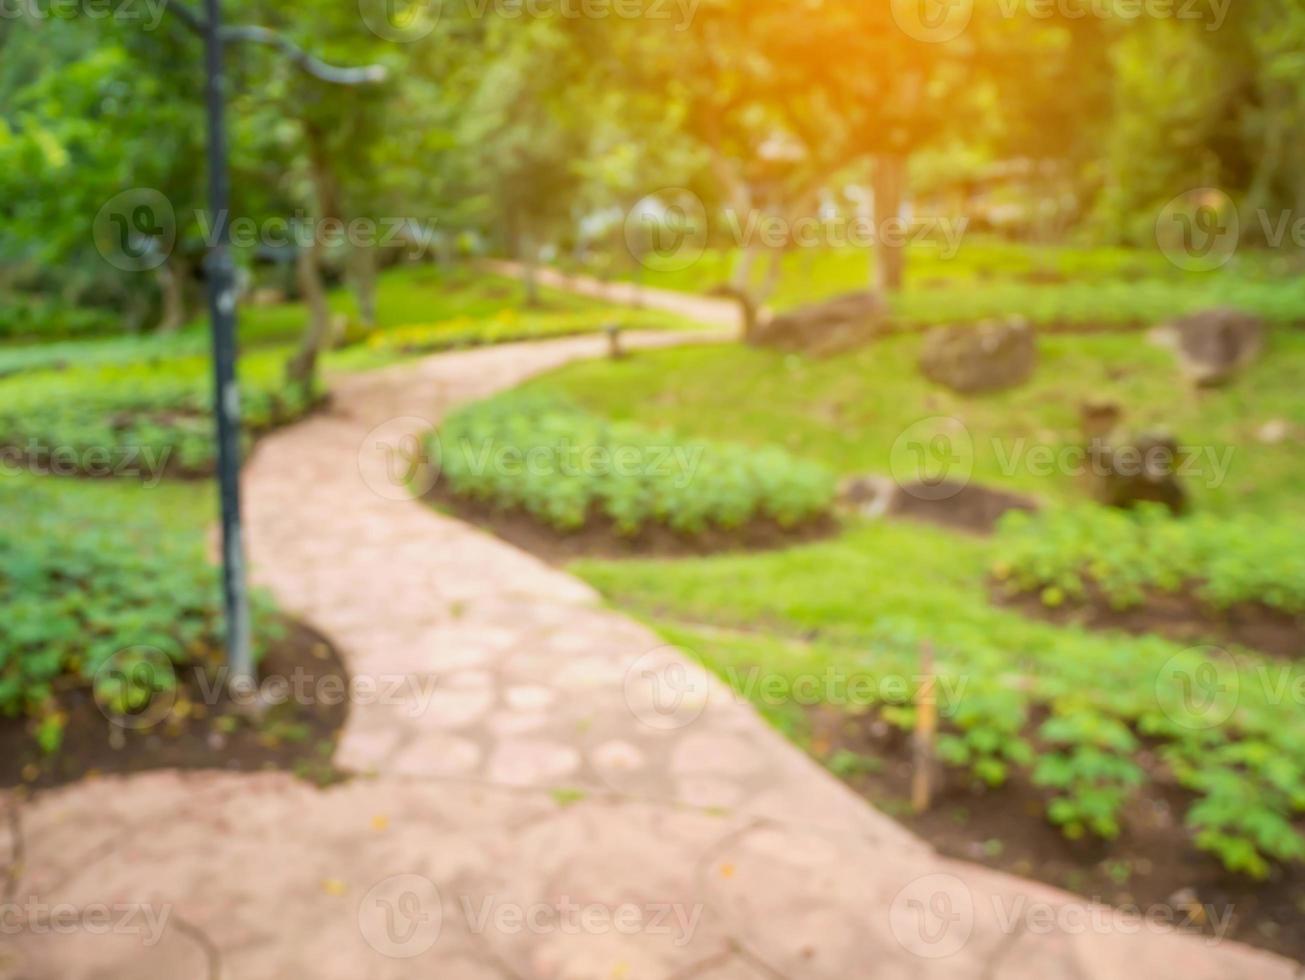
(563, 465)
(1065, 553)
(28, 317)
(87, 592)
(1094, 718)
(153, 415)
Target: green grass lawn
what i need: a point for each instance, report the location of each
(419, 308)
(849, 411)
(988, 277)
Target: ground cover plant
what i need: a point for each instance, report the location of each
(565, 467)
(80, 591)
(111, 652)
(1062, 553)
(140, 419)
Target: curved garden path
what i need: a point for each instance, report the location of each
(542, 790)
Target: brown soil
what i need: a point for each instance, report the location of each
(1179, 616)
(599, 537)
(968, 507)
(1153, 862)
(297, 735)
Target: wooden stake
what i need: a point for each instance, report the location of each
(926, 725)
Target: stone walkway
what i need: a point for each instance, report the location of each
(703, 309)
(542, 789)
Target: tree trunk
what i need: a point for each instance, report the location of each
(303, 366)
(890, 247)
(741, 279)
(364, 285)
(771, 280)
(529, 269)
(172, 277)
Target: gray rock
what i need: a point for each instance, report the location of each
(988, 356)
(1215, 345)
(833, 326)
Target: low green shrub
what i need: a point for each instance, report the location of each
(135, 419)
(23, 316)
(85, 600)
(507, 325)
(1063, 553)
(563, 466)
